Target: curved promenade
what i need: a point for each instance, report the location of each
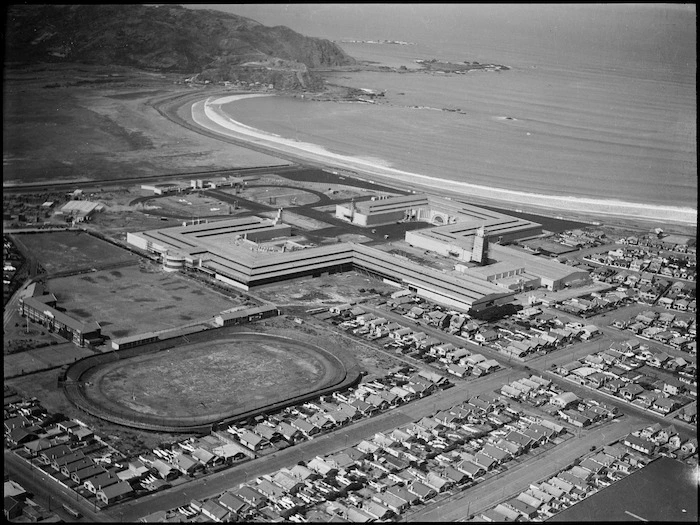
(82, 382)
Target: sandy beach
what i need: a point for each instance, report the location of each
(210, 115)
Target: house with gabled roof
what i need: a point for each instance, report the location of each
(513, 448)
(525, 442)
(392, 502)
(230, 452)
(266, 431)
(665, 405)
(322, 467)
(82, 475)
(639, 443)
(423, 491)
(303, 473)
(215, 512)
(205, 457)
(112, 493)
(498, 454)
(438, 482)
(485, 461)
(522, 508)
(321, 420)
(232, 503)
(665, 434)
(252, 440)
(592, 466)
(100, 481)
(289, 433)
(250, 495)
(305, 427)
(49, 454)
(651, 431)
(404, 494)
(186, 463)
(363, 407)
(631, 391)
(75, 466)
(66, 459)
(164, 470)
(272, 491)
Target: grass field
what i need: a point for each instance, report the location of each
(221, 376)
(81, 129)
(42, 358)
(130, 300)
(664, 490)
(63, 251)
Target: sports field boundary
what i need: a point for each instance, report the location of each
(74, 377)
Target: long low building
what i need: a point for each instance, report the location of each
(40, 309)
(216, 248)
(252, 251)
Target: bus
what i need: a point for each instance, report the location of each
(70, 510)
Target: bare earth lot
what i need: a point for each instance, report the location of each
(327, 290)
(63, 251)
(130, 300)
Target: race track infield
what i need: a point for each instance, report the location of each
(210, 381)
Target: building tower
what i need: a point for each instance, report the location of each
(480, 251)
(352, 210)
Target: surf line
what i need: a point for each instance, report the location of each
(208, 112)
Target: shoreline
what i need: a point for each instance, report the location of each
(210, 115)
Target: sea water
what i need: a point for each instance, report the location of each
(596, 105)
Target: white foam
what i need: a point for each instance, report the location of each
(212, 113)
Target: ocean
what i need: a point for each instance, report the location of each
(599, 104)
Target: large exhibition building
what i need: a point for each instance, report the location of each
(476, 273)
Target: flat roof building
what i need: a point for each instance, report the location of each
(217, 248)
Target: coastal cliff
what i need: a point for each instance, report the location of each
(210, 44)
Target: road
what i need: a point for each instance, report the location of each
(47, 491)
(47, 187)
(486, 494)
(12, 305)
(329, 443)
(519, 477)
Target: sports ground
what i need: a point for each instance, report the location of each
(72, 250)
(217, 377)
(131, 300)
(664, 490)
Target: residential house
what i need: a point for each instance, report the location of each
(215, 512)
(640, 444)
(115, 492)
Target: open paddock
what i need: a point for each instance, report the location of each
(42, 358)
(71, 250)
(130, 300)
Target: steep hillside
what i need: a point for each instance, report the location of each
(220, 46)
